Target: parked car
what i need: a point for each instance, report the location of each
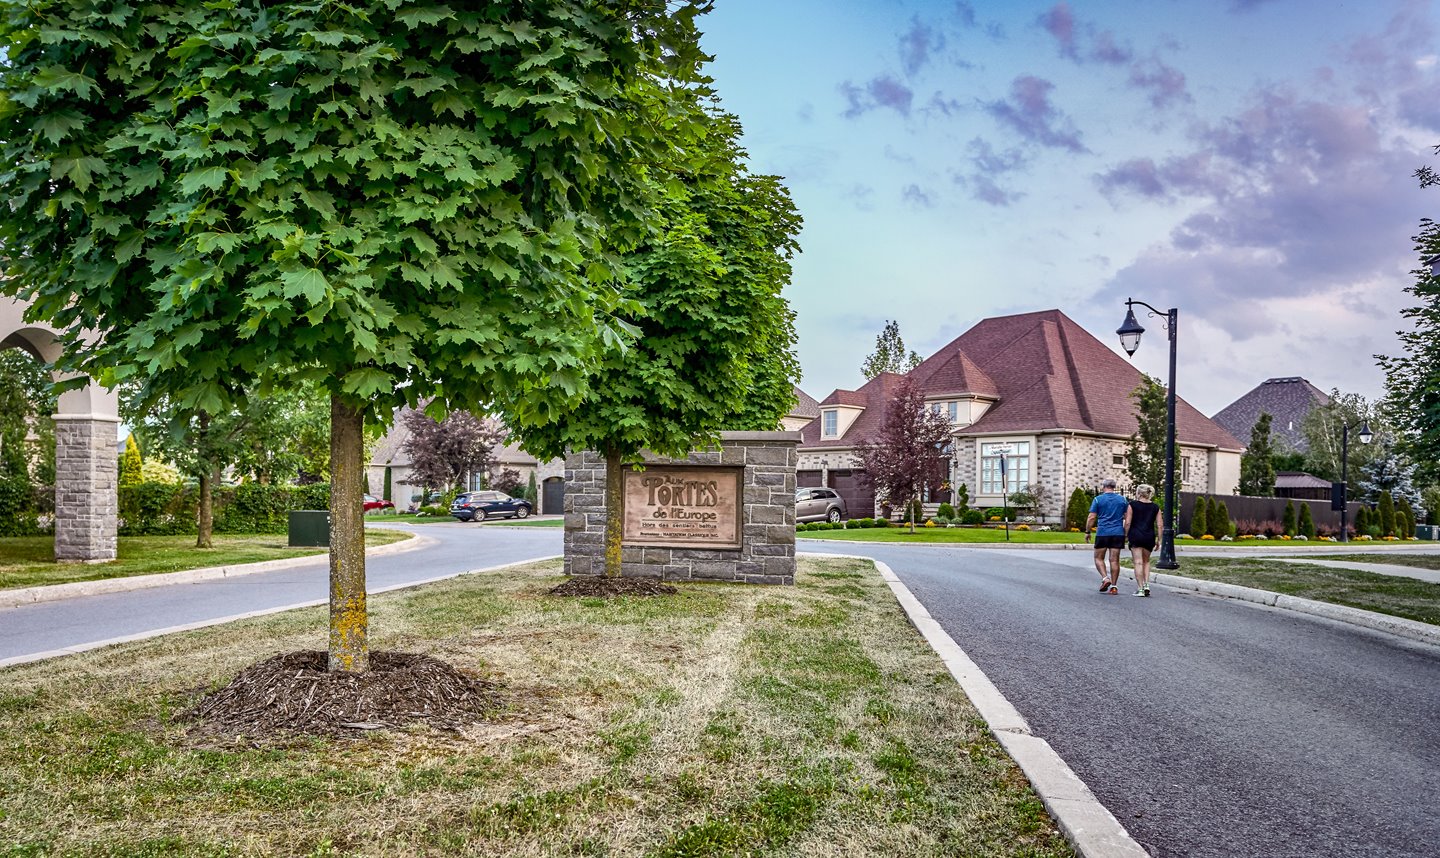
(818, 504)
(478, 506)
(373, 503)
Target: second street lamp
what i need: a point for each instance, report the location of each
(1365, 436)
(1130, 331)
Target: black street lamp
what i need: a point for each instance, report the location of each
(1130, 331)
(1365, 436)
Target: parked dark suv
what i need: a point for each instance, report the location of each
(818, 504)
(478, 506)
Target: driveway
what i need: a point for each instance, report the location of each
(1208, 727)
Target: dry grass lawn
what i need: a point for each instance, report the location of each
(728, 720)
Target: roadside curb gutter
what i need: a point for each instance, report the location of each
(56, 592)
(1093, 831)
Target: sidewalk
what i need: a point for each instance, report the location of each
(1430, 575)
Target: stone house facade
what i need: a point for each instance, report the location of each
(1036, 386)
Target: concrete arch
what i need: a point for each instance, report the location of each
(86, 494)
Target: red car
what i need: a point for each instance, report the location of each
(373, 503)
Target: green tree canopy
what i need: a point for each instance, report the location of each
(889, 354)
(1145, 454)
(1323, 428)
(395, 200)
(714, 336)
(1412, 379)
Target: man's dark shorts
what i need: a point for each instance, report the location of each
(1109, 542)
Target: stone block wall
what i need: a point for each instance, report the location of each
(86, 499)
(767, 552)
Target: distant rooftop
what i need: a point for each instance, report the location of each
(1287, 399)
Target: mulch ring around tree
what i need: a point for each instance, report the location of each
(293, 693)
(606, 587)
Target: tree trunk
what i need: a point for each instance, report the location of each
(205, 523)
(349, 621)
(206, 520)
(614, 512)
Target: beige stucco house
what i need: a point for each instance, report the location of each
(1037, 386)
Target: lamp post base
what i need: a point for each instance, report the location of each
(1167, 560)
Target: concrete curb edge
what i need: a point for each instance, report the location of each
(1092, 830)
(56, 592)
(200, 624)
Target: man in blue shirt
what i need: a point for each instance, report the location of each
(1107, 518)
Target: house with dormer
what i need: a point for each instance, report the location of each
(1036, 387)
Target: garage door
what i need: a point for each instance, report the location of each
(552, 498)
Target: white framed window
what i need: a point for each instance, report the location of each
(831, 423)
(952, 410)
(1017, 467)
(1184, 469)
(1117, 459)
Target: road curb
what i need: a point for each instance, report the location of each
(56, 592)
(200, 624)
(1409, 629)
(1093, 831)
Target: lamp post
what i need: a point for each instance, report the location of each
(1130, 331)
(1365, 436)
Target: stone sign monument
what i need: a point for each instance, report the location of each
(724, 514)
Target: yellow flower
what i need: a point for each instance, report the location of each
(1207, 536)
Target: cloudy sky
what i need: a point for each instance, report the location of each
(1247, 161)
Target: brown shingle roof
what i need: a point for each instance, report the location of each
(1287, 400)
(805, 404)
(873, 395)
(1047, 372)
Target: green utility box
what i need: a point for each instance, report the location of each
(1427, 531)
(309, 528)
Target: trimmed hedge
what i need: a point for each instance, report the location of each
(166, 509)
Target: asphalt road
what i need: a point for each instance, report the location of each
(1208, 727)
(50, 626)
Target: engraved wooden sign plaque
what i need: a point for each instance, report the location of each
(680, 506)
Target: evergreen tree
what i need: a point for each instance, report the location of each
(532, 490)
(962, 499)
(1257, 470)
(1362, 520)
(889, 354)
(389, 484)
(1404, 519)
(1387, 514)
(1199, 526)
(1288, 522)
(1220, 520)
(1078, 509)
(1307, 522)
(131, 464)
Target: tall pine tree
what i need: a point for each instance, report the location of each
(1257, 467)
(889, 354)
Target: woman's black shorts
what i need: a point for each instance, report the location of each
(1109, 542)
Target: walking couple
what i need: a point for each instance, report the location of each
(1115, 520)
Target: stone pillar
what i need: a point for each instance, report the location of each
(86, 499)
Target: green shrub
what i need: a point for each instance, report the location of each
(883, 522)
(1220, 521)
(1001, 513)
(17, 508)
(1387, 514)
(170, 509)
(1078, 508)
(972, 516)
(1288, 520)
(1199, 526)
(1307, 522)
(946, 511)
(962, 499)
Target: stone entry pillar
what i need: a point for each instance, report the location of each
(86, 499)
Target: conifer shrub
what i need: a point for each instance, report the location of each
(1307, 522)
